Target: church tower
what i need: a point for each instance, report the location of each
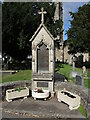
(58, 15)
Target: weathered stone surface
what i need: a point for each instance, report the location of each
(71, 99)
(11, 85)
(43, 53)
(45, 109)
(13, 93)
(77, 89)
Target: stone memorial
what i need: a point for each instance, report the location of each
(73, 73)
(43, 69)
(79, 80)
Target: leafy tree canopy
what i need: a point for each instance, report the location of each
(20, 21)
(78, 34)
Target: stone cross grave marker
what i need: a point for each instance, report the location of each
(73, 64)
(84, 70)
(73, 73)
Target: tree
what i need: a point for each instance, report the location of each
(15, 29)
(20, 21)
(78, 34)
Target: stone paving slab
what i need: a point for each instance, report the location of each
(40, 108)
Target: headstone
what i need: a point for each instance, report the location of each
(59, 77)
(79, 80)
(43, 68)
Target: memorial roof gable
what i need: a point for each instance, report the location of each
(38, 30)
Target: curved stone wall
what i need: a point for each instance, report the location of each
(77, 89)
(10, 85)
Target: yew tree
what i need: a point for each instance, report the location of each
(79, 33)
(19, 22)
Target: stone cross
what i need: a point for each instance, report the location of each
(73, 64)
(42, 13)
(84, 70)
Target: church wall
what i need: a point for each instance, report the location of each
(68, 57)
(58, 55)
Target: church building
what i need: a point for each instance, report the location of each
(60, 38)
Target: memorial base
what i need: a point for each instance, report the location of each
(40, 95)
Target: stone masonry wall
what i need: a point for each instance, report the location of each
(81, 91)
(11, 85)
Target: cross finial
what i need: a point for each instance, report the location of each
(42, 13)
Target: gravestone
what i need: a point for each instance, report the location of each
(59, 77)
(43, 68)
(79, 80)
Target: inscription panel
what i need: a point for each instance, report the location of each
(42, 84)
(43, 58)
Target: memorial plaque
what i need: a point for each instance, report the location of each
(42, 84)
(43, 58)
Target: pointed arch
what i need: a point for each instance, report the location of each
(42, 58)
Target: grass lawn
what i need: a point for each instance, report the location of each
(82, 110)
(21, 75)
(87, 83)
(66, 69)
(63, 69)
